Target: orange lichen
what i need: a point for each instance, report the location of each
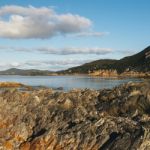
(25, 146)
(8, 145)
(2, 125)
(19, 138)
(38, 144)
(10, 84)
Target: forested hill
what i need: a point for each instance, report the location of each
(139, 62)
(30, 72)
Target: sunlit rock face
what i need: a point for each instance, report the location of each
(105, 73)
(79, 119)
(147, 55)
(125, 74)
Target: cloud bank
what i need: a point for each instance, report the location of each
(18, 22)
(91, 34)
(53, 65)
(75, 50)
(61, 51)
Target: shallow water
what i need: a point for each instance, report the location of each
(67, 82)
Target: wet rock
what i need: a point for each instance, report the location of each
(59, 88)
(44, 119)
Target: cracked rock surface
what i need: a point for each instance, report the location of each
(109, 119)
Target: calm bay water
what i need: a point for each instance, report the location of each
(67, 82)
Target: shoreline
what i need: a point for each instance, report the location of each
(24, 86)
(90, 75)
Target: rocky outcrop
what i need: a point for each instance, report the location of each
(113, 119)
(113, 73)
(135, 74)
(10, 85)
(104, 73)
(7, 85)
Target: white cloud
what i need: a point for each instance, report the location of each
(4, 65)
(75, 50)
(43, 22)
(44, 64)
(64, 62)
(91, 34)
(61, 51)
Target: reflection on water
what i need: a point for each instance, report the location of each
(67, 82)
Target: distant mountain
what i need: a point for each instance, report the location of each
(139, 62)
(30, 72)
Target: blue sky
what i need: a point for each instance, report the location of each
(58, 34)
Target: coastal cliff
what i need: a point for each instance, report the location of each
(85, 119)
(114, 73)
(104, 73)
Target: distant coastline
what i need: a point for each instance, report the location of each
(100, 73)
(137, 66)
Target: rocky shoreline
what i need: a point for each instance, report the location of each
(45, 119)
(126, 74)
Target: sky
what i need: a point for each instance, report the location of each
(59, 34)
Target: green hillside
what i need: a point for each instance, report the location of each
(31, 72)
(138, 62)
